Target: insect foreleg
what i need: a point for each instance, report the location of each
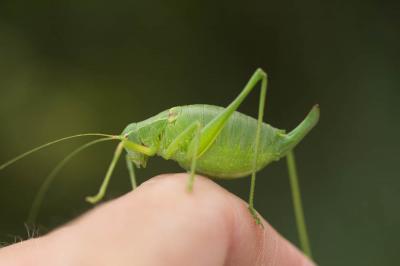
(131, 171)
(104, 185)
(298, 209)
(149, 151)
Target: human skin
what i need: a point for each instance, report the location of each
(160, 223)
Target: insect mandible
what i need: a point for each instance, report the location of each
(206, 139)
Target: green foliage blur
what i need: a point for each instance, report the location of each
(69, 67)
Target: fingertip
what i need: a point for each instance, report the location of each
(253, 244)
(247, 243)
(208, 226)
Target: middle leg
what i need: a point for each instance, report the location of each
(131, 171)
(192, 135)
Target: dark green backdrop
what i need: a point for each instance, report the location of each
(68, 67)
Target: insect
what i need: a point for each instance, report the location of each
(211, 140)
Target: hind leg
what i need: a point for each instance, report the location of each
(261, 107)
(211, 131)
(298, 208)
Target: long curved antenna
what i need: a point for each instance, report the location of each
(50, 178)
(19, 157)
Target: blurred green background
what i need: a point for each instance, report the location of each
(68, 67)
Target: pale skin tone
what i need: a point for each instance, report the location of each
(160, 223)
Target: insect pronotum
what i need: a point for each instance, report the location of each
(211, 140)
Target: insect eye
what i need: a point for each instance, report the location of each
(126, 135)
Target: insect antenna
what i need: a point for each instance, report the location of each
(50, 178)
(23, 155)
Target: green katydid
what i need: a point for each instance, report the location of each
(206, 139)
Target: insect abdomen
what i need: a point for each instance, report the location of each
(232, 153)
